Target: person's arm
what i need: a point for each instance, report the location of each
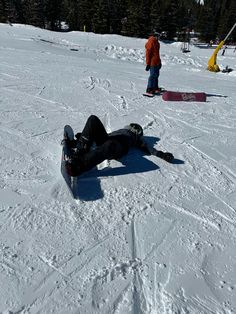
(148, 54)
(142, 145)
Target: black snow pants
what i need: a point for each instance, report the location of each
(107, 147)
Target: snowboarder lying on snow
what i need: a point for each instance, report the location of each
(108, 146)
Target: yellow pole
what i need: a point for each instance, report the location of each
(84, 28)
(212, 66)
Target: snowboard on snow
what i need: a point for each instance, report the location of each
(182, 96)
(67, 155)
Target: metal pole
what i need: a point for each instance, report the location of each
(230, 32)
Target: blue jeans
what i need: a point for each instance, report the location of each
(153, 77)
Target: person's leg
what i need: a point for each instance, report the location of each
(150, 85)
(156, 72)
(111, 149)
(153, 78)
(93, 131)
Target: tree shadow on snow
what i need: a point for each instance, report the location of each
(88, 185)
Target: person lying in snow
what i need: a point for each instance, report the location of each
(107, 146)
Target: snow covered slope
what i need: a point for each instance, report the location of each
(144, 236)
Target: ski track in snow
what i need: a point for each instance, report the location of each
(144, 236)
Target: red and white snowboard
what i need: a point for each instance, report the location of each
(182, 96)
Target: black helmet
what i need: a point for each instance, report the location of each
(155, 33)
(136, 129)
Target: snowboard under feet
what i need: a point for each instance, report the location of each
(148, 95)
(156, 93)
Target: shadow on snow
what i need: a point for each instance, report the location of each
(88, 185)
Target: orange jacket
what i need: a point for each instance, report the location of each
(152, 51)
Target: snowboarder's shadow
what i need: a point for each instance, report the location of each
(89, 187)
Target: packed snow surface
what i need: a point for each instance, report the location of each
(144, 236)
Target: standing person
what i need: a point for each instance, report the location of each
(107, 146)
(223, 52)
(153, 63)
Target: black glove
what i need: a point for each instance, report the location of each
(147, 67)
(168, 157)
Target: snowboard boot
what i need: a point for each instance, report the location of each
(83, 145)
(75, 166)
(157, 91)
(72, 143)
(150, 91)
(72, 170)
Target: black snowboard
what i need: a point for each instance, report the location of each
(67, 152)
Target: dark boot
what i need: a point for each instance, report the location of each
(83, 145)
(149, 90)
(76, 166)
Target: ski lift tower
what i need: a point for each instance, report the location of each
(186, 39)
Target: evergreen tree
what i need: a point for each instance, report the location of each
(85, 10)
(138, 18)
(144, 24)
(71, 13)
(3, 12)
(231, 19)
(53, 12)
(132, 16)
(117, 11)
(227, 19)
(167, 20)
(157, 11)
(33, 12)
(14, 11)
(209, 19)
(213, 18)
(100, 18)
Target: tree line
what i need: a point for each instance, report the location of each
(211, 18)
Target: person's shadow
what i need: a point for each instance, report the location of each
(88, 184)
